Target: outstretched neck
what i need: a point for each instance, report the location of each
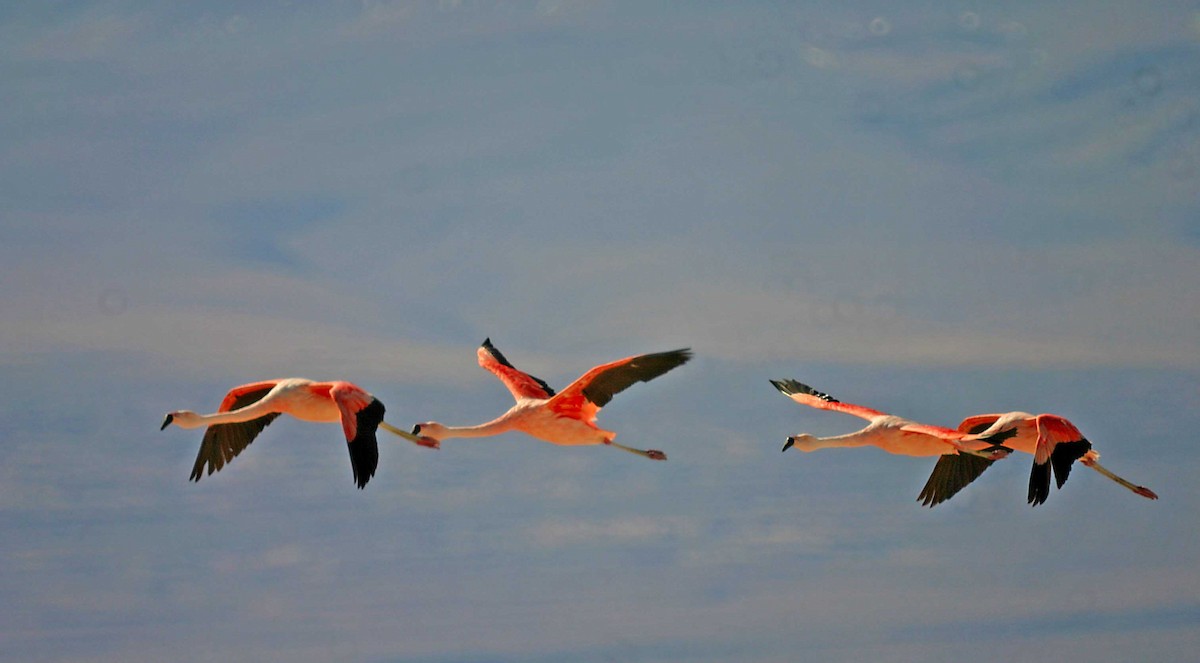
(494, 427)
(193, 420)
(811, 443)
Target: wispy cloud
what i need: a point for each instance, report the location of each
(212, 343)
(90, 35)
(625, 530)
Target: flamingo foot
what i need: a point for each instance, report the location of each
(428, 442)
(652, 454)
(419, 440)
(1145, 492)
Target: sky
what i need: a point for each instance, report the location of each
(944, 210)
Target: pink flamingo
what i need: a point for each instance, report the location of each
(1054, 442)
(567, 418)
(247, 409)
(900, 436)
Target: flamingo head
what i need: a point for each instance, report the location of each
(801, 442)
(430, 429)
(183, 419)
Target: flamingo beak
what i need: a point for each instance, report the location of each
(788, 444)
(416, 429)
(167, 421)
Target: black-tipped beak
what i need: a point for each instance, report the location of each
(167, 421)
(416, 429)
(788, 445)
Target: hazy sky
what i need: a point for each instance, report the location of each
(958, 208)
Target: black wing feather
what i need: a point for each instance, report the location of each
(979, 428)
(1039, 484)
(952, 473)
(364, 448)
(789, 387)
(640, 369)
(1064, 454)
(223, 442)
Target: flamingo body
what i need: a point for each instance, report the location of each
(538, 419)
(567, 418)
(904, 437)
(892, 434)
(1053, 441)
(247, 409)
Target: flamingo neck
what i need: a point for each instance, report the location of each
(494, 427)
(856, 439)
(233, 417)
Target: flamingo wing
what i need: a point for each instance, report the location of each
(977, 424)
(1059, 445)
(519, 383)
(940, 432)
(952, 473)
(361, 415)
(584, 397)
(997, 433)
(806, 395)
(223, 442)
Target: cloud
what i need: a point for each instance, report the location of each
(625, 530)
(1009, 109)
(379, 17)
(88, 36)
(953, 304)
(1115, 304)
(219, 343)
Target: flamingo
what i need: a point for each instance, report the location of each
(1054, 442)
(900, 436)
(567, 418)
(248, 408)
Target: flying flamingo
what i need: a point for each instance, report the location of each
(1054, 442)
(247, 409)
(903, 437)
(567, 418)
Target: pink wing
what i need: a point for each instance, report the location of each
(1059, 445)
(1053, 431)
(584, 397)
(940, 432)
(978, 423)
(350, 400)
(520, 384)
(1016, 430)
(233, 400)
(806, 395)
(361, 413)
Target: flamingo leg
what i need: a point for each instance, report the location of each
(415, 439)
(652, 454)
(1140, 490)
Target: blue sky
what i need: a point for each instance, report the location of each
(937, 212)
